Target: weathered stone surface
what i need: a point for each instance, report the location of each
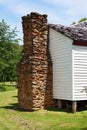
(35, 90)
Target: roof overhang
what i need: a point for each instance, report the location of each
(80, 43)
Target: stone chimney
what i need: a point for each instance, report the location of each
(35, 67)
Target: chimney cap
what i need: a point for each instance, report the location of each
(34, 14)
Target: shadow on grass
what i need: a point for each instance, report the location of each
(2, 89)
(15, 96)
(84, 128)
(80, 108)
(56, 110)
(15, 107)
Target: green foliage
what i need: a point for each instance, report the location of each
(73, 23)
(81, 20)
(10, 52)
(8, 86)
(7, 34)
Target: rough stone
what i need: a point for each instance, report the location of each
(35, 85)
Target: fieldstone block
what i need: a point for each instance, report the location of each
(35, 87)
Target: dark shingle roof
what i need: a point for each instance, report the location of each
(76, 32)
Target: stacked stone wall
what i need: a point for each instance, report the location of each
(35, 87)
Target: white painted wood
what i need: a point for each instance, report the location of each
(61, 53)
(80, 72)
(69, 68)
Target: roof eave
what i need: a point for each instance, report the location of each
(80, 42)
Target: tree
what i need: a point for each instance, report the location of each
(81, 20)
(10, 52)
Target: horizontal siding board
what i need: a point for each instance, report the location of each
(60, 50)
(80, 98)
(63, 97)
(79, 86)
(67, 89)
(80, 72)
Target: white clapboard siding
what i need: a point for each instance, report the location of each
(69, 67)
(80, 72)
(61, 53)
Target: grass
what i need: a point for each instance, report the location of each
(14, 118)
(7, 86)
(8, 83)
